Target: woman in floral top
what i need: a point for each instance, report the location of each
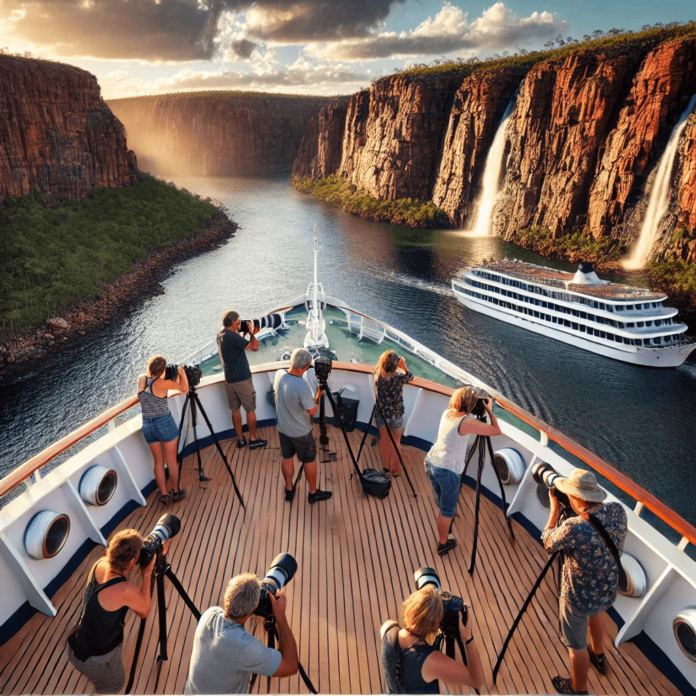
(391, 374)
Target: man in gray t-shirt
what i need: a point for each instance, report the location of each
(224, 655)
(294, 407)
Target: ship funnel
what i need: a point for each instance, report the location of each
(585, 275)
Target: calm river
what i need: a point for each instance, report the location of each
(641, 420)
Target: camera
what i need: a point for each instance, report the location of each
(167, 526)
(270, 321)
(280, 573)
(322, 369)
(546, 475)
(454, 606)
(193, 373)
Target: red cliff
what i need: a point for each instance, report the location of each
(56, 133)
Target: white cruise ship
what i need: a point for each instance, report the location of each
(619, 321)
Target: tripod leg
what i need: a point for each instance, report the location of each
(502, 490)
(136, 655)
(299, 476)
(482, 462)
(194, 422)
(162, 616)
(345, 434)
(182, 593)
(323, 434)
(396, 449)
(367, 430)
(518, 618)
(470, 456)
(180, 453)
(219, 449)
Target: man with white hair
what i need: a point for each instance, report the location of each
(294, 407)
(224, 655)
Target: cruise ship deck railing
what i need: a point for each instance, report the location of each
(547, 432)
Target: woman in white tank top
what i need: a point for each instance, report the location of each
(445, 461)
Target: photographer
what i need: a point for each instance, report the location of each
(159, 429)
(239, 385)
(391, 374)
(590, 574)
(294, 407)
(224, 655)
(420, 665)
(446, 459)
(96, 647)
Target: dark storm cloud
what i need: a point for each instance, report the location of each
(181, 30)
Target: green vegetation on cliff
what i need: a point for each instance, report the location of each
(55, 252)
(573, 247)
(674, 277)
(403, 211)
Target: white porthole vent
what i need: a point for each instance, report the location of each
(46, 534)
(98, 485)
(510, 466)
(684, 626)
(635, 575)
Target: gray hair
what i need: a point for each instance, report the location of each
(229, 317)
(300, 359)
(242, 595)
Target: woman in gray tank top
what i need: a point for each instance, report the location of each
(159, 428)
(445, 461)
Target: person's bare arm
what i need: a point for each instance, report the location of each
(139, 599)
(253, 344)
(286, 641)
(313, 411)
(142, 382)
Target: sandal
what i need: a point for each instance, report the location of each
(598, 661)
(165, 499)
(179, 495)
(565, 686)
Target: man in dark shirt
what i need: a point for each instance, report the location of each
(239, 385)
(589, 577)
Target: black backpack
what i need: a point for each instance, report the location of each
(375, 483)
(392, 666)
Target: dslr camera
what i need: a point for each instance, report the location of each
(546, 475)
(454, 606)
(270, 321)
(479, 409)
(193, 373)
(167, 527)
(280, 573)
(322, 369)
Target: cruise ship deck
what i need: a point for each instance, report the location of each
(356, 559)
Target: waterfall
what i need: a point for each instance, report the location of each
(659, 196)
(491, 176)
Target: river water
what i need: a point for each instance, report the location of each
(640, 420)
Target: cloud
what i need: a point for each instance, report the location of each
(449, 31)
(185, 30)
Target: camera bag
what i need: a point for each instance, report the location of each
(391, 659)
(375, 483)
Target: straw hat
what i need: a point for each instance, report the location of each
(581, 484)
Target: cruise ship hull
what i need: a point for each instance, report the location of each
(670, 356)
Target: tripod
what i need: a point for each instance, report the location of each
(483, 444)
(450, 636)
(269, 624)
(194, 403)
(162, 569)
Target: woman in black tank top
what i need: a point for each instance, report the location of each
(96, 646)
(422, 665)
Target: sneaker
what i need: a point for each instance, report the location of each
(179, 495)
(598, 661)
(289, 495)
(444, 549)
(319, 495)
(565, 686)
(241, 443)
(253, 444)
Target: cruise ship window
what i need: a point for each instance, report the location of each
(639, 323)
(566, 322)
(630, 325)
(629, 306)
(610, 308)
(575, 326)
(583, 327)
(583, 315)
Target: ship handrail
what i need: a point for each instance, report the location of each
(623, 482)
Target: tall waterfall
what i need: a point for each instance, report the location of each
(491, 175)
(659, 196)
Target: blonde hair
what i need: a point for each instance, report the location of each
(423, 612)
(242, 595)
(387, 363)
(124, 548)
(156, 365)
(462, 401)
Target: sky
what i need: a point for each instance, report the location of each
(326, 47)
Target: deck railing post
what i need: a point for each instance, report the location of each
(684, 542)
(638, 509)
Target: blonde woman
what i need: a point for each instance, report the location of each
(159, 429)
(445, 461)
(391, 374)
(423, 666)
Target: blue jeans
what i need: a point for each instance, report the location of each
(162, 429)
(445, 485)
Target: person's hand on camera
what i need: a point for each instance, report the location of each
(150, 567)
(165, 547)
(488, 404)
(279, 603)
(466, 629)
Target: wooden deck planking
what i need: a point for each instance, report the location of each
(356, 559)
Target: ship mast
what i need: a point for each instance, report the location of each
(316, 327)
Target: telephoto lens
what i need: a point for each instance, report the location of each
(270, 321)
(427, 576)
(280, 573)
(167, 527)
(545, 474)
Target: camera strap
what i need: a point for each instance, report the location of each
(606, 538)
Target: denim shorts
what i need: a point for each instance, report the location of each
(394, 423)
(162, 429)
(445, 485)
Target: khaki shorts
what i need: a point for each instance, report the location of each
(574, 625)
(106, 672)
(241, 394)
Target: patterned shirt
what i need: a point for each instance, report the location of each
(589, 577)
(390, 392)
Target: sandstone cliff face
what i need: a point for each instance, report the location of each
(479, 105)
(563, 115)
(393, 135)
(321, 148)
(56, 133)
(665, 82)
(217, 135)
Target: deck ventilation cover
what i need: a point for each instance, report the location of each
(46, 534)
(684, 632)
(98, 485)
(510, 466)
